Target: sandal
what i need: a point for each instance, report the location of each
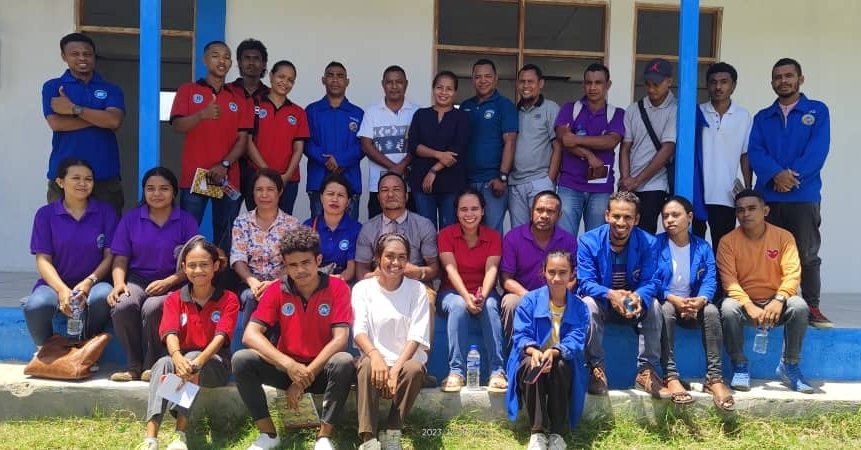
(128, 375)
(679, 397)
(498, 383)
(724, 403)
(452, 383)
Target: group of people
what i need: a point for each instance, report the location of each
(441, 181)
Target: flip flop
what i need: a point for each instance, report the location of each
(452, 383)
(498, 383)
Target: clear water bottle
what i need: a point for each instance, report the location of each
(230, 191)
(760, 341)
(473, 367)
(629, 304)
(74, 325)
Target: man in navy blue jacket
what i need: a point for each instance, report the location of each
(789, 142)
(615, 269)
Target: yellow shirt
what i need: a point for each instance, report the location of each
(556, 313)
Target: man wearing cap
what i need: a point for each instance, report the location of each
(644, 155)
(788, 145)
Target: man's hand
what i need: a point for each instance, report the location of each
(447, 159)
(61, 104)
(786, 180)
(616, 297)
(158, 287)
(756, 314)
(629, 184)
(771, 313)
(217, 173)
(182, 366)
(594, 161)
(300, 375)
(293, 395)
(119, 290)
(400, 168)
(497, 186)
(693, 305)
(212, 110)
(331, 163)
(427, 183)
(473, 304)
(379, 371)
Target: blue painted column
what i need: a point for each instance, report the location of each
(688, 49)
(150, 84)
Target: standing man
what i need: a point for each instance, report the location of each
(84, 111)
(788, 146)
(383, 133)
(491, 144)
(314, 312)
(334, 146)
(537, 151)
(252, 56)
(648, 147)
(724, 148)
(759, 269)
(590, 129)
(216, 125)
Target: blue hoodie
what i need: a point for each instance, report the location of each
(703, 277)
(334, 132)
(595, 265)
(801, 145)
(533, 327)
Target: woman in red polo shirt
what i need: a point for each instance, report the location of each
(470, 254)
(196, 327)
(280, 130)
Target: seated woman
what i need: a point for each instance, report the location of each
(254, 252)
(196, 326)
(338, 231)
(686, 268)
(391, 319)
(71, 240)
(470, 254)
(551, 325)
(144, 270)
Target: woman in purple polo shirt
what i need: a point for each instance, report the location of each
(70, 240)
(144, 270)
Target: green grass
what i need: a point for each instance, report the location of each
(710, 431)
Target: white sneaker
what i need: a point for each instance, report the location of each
(264, 442)
(178, 442)
(373, 444)
(147, 445)
(538, 441)
(556, 442)
(324, 443)
(393, 440)
(94, 368)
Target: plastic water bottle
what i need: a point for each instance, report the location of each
(629, 304)
(760, 341)
(230, 191)
(75, 325)
(473, 367)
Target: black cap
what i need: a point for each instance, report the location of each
(657, 70)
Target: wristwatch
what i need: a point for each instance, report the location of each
(503, 177)
(226, 164)
(77, 110)
(93, 279)
(780, 298)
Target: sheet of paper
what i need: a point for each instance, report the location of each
(303, 416)
(601, 180)
(173, 389)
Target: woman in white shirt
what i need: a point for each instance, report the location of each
(391, 318)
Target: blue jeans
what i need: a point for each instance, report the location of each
(521, 196)
(590, 206)
(285, 203)
(433, 205)
(224, 211)
(43, 308)
(454, 307)
(317, 206)
(495, 207)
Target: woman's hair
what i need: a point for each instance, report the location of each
(445, 74)
(66, 164)
(271, 174)
(163, 172)
(559, 253)
(198, 241)
(686, 204)
(469, 190)
(283, 63)
(385, 239)
(337, 178)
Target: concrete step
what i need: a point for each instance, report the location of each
(24, 397)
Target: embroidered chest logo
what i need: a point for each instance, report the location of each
(183, 319)
(700, 274)
(262, 113)
(197, 98)
(354, 126)
(291, 119)
(635, 275)
(233, 107)
(100, 94)
(215, 317)
(324, 309)
(288, 309)
(771, 253)
(100, 241)
(808, 119)
(489, 114)
(343, 245)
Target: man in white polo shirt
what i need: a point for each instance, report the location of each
(724, 149)
(383, 133)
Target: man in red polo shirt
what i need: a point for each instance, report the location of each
(315, 316)
(216, 123)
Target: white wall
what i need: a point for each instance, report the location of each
(30, 35)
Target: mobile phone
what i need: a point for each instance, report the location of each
(534, 373)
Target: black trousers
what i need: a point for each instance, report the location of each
(547, 400)
(651, 203)
(803, 221)
(720, 222)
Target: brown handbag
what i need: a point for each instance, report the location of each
(65, 359)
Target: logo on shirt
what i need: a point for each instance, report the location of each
(291, 119)
(100, 241)
(354, 126)
(771, 253)
(197, 98)
(183, 319)
(324, 309)
(343, 245)
(215, 317)
(700, 274)
(288, 309)
(635, 275)
(808, 119)
(489, 114)
(262, 113)
(100, 94)
(233, 106)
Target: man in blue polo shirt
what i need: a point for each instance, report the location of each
(334, 146)
(84, 111)
(788, 145)
(491, 145)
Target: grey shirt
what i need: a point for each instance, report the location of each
(532, 150)
(419, 231)
(663, 118)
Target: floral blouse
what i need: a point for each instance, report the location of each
(260, 248)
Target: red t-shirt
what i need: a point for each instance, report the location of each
(276, 130)
(470, 261)
(197, 326)
(305, 329)
(210, 140)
